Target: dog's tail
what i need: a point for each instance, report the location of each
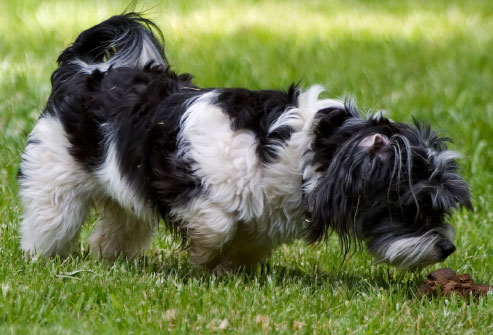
(126, 40)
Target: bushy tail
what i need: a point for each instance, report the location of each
(121, 41)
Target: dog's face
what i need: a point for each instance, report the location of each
(390, 185)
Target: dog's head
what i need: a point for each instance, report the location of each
(388, 184)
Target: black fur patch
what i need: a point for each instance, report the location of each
(97, 44)
(257, 111)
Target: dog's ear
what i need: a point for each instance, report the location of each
(451, 190)
(329, 208)
(327, 138)
(374, 143)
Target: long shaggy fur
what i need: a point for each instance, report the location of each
(234, 172)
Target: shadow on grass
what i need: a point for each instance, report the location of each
(176, 267)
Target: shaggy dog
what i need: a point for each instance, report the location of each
(234, 172)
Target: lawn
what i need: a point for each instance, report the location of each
(429, 59)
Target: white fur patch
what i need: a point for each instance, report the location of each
(54, 191)
(408, 252)
(115, 186)
(228, 166)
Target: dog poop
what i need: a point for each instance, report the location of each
(447, 282)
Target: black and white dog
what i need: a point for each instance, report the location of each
(235, 172)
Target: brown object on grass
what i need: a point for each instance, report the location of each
(447, 282)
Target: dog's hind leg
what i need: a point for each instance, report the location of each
(119, 232)
(54, 191)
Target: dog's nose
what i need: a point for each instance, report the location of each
(447, 248)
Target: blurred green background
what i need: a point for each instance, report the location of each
(429, 59)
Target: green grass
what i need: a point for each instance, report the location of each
(428, 59)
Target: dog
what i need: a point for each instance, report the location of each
(234, 172)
